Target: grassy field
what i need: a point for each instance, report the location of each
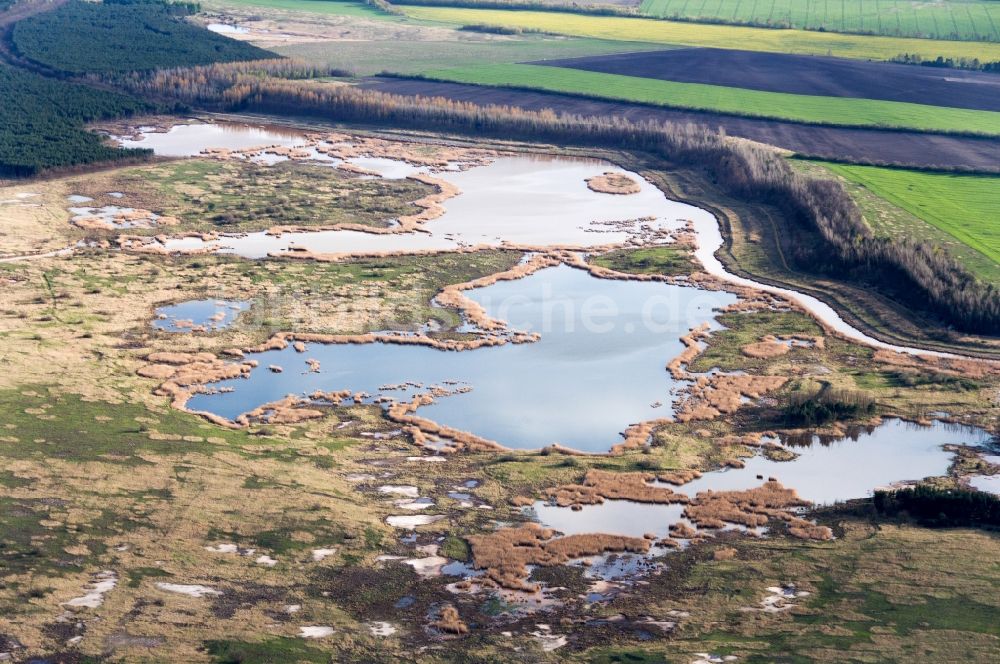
(965, 207)
(330, 7)
(369, 57)
(799, 108)
(717, 36)
(234, 196)
(952, 19)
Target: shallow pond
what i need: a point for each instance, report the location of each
(987, 483)
(114, 216)
(204, 314)
(604, 348)
(524, 200)
(227, 29)
(189, 140)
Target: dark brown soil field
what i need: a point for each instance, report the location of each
(864, 145)
(804, 75)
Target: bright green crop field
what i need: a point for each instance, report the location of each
(970, 20)
(966, 207)
(842, 111)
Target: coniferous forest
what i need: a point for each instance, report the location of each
(41, 122)
(42, 117)
(82, 37)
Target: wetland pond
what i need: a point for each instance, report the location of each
(604, 348)
(824, 472)
(206, 315)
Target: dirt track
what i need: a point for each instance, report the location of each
(804, 75)
(873, 145)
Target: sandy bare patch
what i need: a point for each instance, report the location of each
(406, 491)
(381, 629)
(427, 567)
(412, 521)
(322, 554)
(191, 590)
(103, 583)
(315, 631)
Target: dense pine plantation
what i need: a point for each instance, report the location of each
(83, 37)
(41, 119)
(41, 122)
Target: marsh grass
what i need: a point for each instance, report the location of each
(668, 261)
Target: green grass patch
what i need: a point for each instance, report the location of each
(456, 548)
(740, 329)
(245, 197)
(278, 649)
(34, 539)
(840, 111)
(966, 207)
(137, 574)
(716, 36)
(668, 261)
(42, 422)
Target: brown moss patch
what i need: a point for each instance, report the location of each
(506, 554)
(613, 183)
(599, 485)
(754, 508)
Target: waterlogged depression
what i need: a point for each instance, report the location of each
(603, 349)
(824, 472)
(204, 315)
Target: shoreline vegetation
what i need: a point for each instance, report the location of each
(915, 273)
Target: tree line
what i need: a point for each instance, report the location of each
(833, 237)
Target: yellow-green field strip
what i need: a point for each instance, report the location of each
(967, 207)
(836, 111)
(620, 28)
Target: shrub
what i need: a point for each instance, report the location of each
(936, 507)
